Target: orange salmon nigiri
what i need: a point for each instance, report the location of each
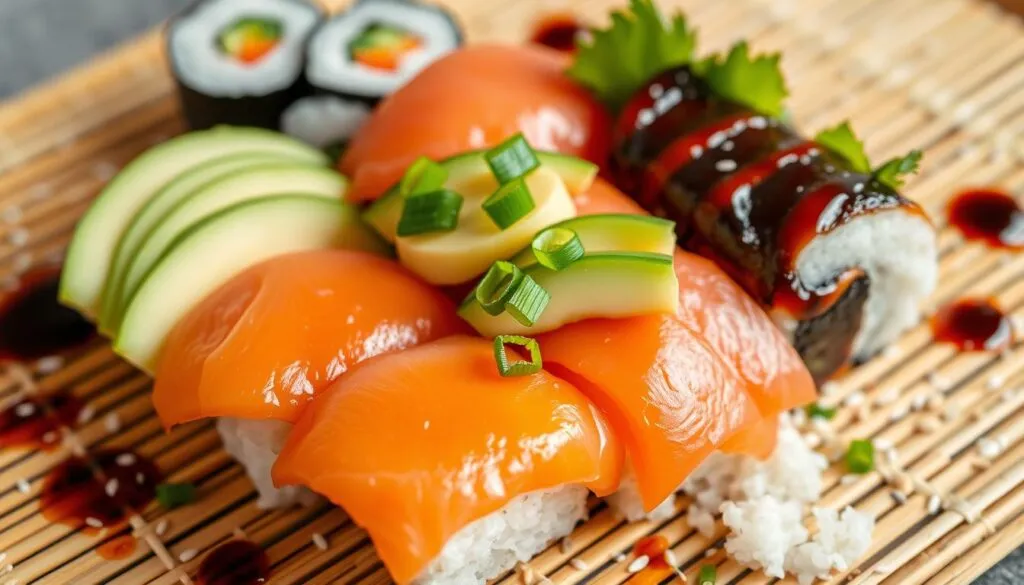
(263, 344)
(471, 99)
(427, 447)
(676, 387)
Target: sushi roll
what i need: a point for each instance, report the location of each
(809, 227)
(254, 353)
(455, 471)
(240, 62)
(714, 376)
(360, 56)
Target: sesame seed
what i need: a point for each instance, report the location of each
(995, 382)
(898, 496)
(140, 478)
(711, 551)
(670, 558)
(725, 165)
(757, 123)
(111, 487)
(579, 564)
(716, 139)
(161, 527)
(786, 160)
(49, 364)
(892, 455)
(849, 479)
(800, 189)
(727, 147)
(829, 388)
(112, 422)
(938, 382)
(638, 564)
(805, 160)
(854, 399)
(426, 425)
(883, 569)
(187, 555)
(918, 402)
(696, 151)
(25, 409)
(881, 443)
(50, 437)
(565, 545)
(319, 541)
(897, 414)
(23, 485)
(857, 188)
(934, 503)
(620, 557)
(85, 415)
(125, 459)
(94, 522)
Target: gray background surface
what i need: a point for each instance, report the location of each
(41, 38)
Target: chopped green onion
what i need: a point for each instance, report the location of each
(497, 286)
(527, 302)
(422, 176)
(708, 575)
(860, 457)
(517, 367)
(172, 495)
(557, 247)
(437, 211)
(817, 410)
(510, 203)
(511, 159)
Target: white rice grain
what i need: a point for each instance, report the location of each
(161, 527)
(579, 565)
(187, 555)
(23, 485)
(638, 564)
(319, 541)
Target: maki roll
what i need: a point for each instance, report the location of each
(358, 57)
(240, 62)
(809, 228)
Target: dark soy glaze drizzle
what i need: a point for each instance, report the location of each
(992, 217)
(35, 421)
(559, 32)
(236, 562)
(973, 325)
(75, 492)
(33, 324)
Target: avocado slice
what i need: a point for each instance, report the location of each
(165, 199)
(241, 185)
(224, 244)
(469, 170)
(614, 232)
(604, 284)
(92, 245)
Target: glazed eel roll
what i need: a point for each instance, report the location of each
(824, 241)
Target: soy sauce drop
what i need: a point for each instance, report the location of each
(35, 421)
(559, 32)
(90, 498)
(973, 325)
(236, 562)
(33, 324)
(992, 217)
(653, 547)
(118, 548)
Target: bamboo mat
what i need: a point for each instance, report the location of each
(943, 75)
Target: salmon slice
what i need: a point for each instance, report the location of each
(267, 341)
(418, 444)
(474, 98)
(715, 375)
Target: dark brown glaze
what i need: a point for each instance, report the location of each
(36, 421)
(973, 325)
(236, 562)
(825, 342)
(989, 216)
(75, 493)
(559, 32)
(33, 324)
(750, 193)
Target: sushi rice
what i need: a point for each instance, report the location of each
(255, 444)
(200, 64)
(324, 120)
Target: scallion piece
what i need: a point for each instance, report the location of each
(422, 176)
(817, 410)
(527, 302)
(172, 495)
(860, 457)
(557, 247)
(497, 286)
(510, 203)
(437, 211)
(518, 367)
(511, 159)
(708, 575)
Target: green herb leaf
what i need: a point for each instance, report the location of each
(817, 410)
(755, 82)
(842, 141)
(892, 172)
(860, 456)
(507, 367)
(172, 495)
(639, 44)
(527, 302)
(708, 575)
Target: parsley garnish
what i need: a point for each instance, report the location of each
(755, 82)
(843, 142)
